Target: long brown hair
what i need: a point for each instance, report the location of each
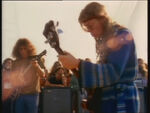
(55, 66)
(92, 10)
(23, 42)
(97, 11)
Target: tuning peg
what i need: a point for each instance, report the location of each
(47, 41)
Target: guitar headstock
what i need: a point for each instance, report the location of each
(52, 36)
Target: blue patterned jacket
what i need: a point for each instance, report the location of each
(116, 74)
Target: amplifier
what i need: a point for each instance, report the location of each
(55, 100)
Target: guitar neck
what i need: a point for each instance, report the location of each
(59, 51)
(53, 39)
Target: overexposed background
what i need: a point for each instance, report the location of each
(27, 19)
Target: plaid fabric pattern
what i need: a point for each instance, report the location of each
(115, 77)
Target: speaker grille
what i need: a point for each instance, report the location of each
(56, 100)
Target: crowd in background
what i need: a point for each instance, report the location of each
(61, 77)
(57, 76)
(142, 84)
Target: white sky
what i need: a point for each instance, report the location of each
(27, 19)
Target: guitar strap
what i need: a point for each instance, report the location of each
(26, 69)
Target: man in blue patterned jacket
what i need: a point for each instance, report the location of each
(116, 68)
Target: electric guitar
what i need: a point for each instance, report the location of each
(40, 61)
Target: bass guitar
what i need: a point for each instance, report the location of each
(51, 35)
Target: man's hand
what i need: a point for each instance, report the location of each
(68, 61)
(38, 68)
(34, 63)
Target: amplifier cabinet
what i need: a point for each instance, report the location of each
(55, 100)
